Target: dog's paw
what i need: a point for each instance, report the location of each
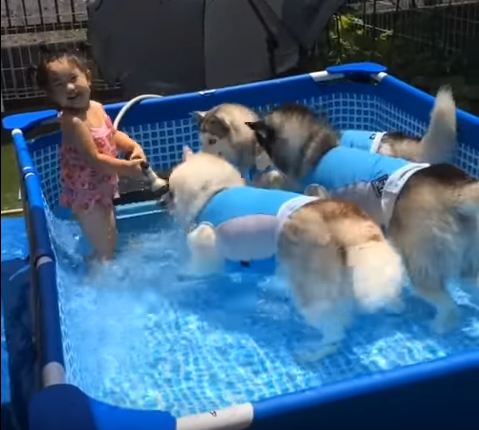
(271, 180)
(315, 190)
(205, 258)
(276, 180)
(202, 237)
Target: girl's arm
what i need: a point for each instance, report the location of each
(76, 131)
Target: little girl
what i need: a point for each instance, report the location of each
(89, 166)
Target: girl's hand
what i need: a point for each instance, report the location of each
(137, 153)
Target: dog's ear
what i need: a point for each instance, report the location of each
(219, 126)
(199, 115)
(187, 153)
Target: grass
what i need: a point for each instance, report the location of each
(10, 182)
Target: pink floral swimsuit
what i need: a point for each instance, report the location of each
(83, 186)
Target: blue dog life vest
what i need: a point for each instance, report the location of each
(372, 181)
(247, 220)
(360, 139)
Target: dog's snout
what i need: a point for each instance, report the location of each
(212, 141)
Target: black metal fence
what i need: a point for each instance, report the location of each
(448, 27)
(20, 16)
(28, 24)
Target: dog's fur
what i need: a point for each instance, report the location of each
(435, 221)
(437, 145)
(223, 133)
(333, 254)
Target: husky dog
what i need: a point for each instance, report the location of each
(332, 253)
(436, 146)
(223, 132)
(431, 212)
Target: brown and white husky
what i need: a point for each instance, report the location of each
(333, 255)
(430, 212)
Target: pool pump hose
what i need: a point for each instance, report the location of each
(158, 185)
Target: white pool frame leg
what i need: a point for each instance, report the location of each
(236, 417)
(53, 373)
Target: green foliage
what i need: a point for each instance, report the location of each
(352, 41)
(425, 65)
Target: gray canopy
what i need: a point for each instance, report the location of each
(170, 46)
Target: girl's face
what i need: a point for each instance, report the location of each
(68, 86)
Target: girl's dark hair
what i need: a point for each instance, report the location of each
(47, 56)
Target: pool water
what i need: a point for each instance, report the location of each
(139, 334)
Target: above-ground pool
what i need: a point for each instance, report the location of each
(228, 351)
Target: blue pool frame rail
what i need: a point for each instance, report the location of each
(434, 393)
(441, 394)
(171, 107)
(42, 260)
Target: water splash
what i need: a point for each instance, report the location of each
(138, 335)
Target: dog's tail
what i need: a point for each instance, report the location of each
(440, 139)
(377, 274)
